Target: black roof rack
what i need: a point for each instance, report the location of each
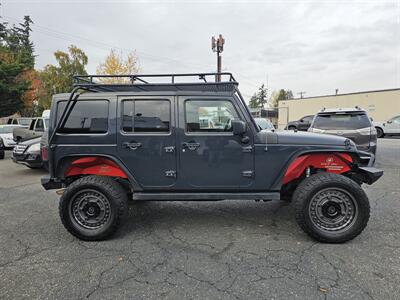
(157, 82)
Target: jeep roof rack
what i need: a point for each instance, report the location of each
(157, 82)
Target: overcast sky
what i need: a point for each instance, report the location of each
(311, 46)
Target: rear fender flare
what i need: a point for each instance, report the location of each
(103, 165)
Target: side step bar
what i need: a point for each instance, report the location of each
(206, 196)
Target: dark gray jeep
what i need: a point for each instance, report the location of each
(192, 137)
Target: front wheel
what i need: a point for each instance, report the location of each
(92, 207)
(331, 208)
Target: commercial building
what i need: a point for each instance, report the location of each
(380, 105)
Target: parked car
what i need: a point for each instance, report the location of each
(2, 152)
(23, 121)
(99, 157)
(28, 153)
(352, 123)
(35, 129)
(303, 124)
(6, 133)
(264, 124)
(389, 127)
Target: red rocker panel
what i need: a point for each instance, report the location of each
(332, 162)
(94, 166)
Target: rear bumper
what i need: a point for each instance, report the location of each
(49, 183)
(371, 174)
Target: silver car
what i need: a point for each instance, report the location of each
(352, 123)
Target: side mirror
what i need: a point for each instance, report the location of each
(238, 127)
(301, 120)
(389, 121)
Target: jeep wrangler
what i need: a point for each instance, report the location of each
(192, 137)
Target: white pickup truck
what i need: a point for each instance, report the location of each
(35, 129)
(389, 127)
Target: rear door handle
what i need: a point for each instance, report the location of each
(133, 145)
(190, 145)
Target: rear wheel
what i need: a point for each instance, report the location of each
(331, 208)
(379, 132)
(92, 207)
(292, 127)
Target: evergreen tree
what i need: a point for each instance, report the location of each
(262, 96)
(253, 103)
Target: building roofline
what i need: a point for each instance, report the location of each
(346, 94)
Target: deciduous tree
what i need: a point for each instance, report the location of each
(116, 64)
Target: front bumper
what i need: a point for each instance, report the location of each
(371, 174)
(33, 160)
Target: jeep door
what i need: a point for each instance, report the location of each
(210, 155)
(146, 139)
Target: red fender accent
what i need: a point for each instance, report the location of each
(332, 162)
(94, 166)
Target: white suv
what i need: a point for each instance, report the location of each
(390, 127)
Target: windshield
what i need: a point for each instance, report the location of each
(7, 129)
(347, 121)
(264, 124)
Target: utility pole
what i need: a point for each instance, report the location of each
(217, 45)
(301, 94)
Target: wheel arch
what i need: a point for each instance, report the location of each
(299, 162)
(95, 164)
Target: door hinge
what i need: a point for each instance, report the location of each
(170, 173)
(169, 149)
(247, 173)
(247, 149)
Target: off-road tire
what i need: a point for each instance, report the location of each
(310, 187)
(379, 132)
(111, 190)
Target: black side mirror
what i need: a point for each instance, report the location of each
(238, 127)
(301, 120)
(389, 121)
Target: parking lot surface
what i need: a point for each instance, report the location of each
(200, 250)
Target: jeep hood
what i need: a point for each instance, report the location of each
(301, 138)
(308, 138)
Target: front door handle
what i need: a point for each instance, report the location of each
(133, 145)
(190, 145)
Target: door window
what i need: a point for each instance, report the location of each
(39, 125)
(149, 116)
(209, 116)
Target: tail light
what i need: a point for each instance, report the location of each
(44, 153)
(365, 131)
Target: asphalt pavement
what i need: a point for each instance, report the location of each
(196, 250)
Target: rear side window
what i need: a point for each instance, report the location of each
(146, 116)
(341, 121)
(85, 117)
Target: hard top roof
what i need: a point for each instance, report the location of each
(213, 82)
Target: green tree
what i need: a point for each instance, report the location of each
(262, 96)
(253, 103)
(16, 59)
(58, 79)
(280, 95)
